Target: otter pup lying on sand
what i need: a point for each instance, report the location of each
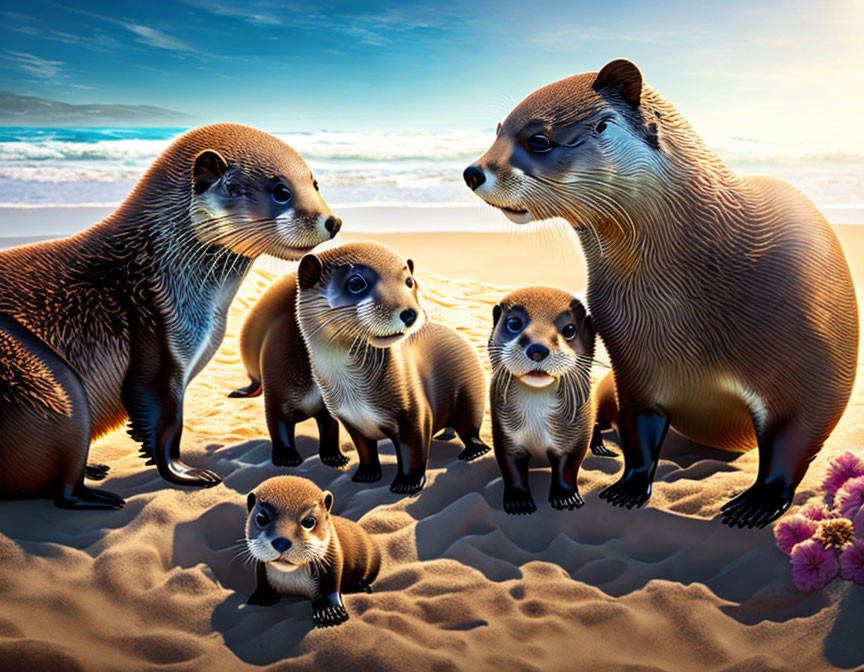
(541, 348)
(300, 548)
(112, 323)
(725, 302)
(385, 372)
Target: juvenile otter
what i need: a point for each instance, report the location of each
(301, 549)
(277, 361)
(541, 348)
(725, 302)
(382, 369)
(134, 307)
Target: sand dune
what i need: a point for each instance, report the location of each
(159, 585)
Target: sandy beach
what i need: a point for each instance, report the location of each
(160, 585)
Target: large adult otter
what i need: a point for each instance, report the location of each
(725, 302)
(116, 320)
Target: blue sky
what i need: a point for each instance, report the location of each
(785, 71)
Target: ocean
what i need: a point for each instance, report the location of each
(81, 167)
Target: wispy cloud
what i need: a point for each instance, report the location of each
(98, 41)
(156, 38)
(265, 13)
(33, 65)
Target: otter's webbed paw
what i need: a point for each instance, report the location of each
(562, 499)
(599, 448)
(287, 456)
(408, 484)
(88, 498)
(756, 507)
(327, 615)
(474, 448)
(367, 473)
(518, 501)
(334, 459)
(264, 598)
(633, 489)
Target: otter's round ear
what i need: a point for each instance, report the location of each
(250, 502)
(309, 271)
(410, 263)
(328, 500)
(496, 315)
(209, 167)
(623, 75)
(578, 310)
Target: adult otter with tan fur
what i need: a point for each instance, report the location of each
(725, 302)
(113, 322)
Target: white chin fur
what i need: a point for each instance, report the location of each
(517, 218)
(537, 381)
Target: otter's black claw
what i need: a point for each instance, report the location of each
(601, 450)
(473, 449)
(329, 616)
(367, 474)
(755, 507)
(408, 484)
(632, 490)
(335, 460)
(566, 499)
(96, 472)
(518, 502)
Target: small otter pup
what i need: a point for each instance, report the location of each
(116, 320)
(541, 348)
(725, 301)
(277, 361)
(382, 369)
(301, 549)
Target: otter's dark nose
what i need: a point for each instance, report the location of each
(409, 316)
(281, 544)
(537, 352)
(333, 224)
(474, 177)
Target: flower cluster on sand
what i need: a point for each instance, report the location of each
(824, 540)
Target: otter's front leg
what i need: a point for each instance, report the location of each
(369, 469)
(412, 454)
(153, 397)
(327, 607)
(642, 432)
(564, 490)
(265, 595)
(513, 464)
(328, 440)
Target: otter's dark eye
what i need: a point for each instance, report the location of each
(601, 126)
(514, 324)
(539, 143)
(281, 194)
(308, 523)
(315, 184)
(356, 284)
(409, 282)
(262, 519)
(569, 331)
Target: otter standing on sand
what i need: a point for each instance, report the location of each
(115, 321)
(277, 361)
(725, 302)
(541, 348)
(301, 549)
(383, 371)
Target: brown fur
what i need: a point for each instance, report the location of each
(725, 302)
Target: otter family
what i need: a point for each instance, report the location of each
(725, 304)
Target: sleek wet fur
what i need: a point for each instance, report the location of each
(277, 361)
(725, 302)
(118, 319)
(382, 369)
(541, 348)
(301, 548)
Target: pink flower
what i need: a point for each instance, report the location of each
(813, 565)
(852, 563)
(858, 524)
(793, 530)
(841, 469)
(850, 497)
(816, 511)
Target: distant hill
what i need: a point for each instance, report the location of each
(18, 110)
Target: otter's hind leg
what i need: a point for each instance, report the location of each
(784, 455)
(253, 389)
(642, 434)
(369, 469)
(597, 446)
(328, 440)
(281, 426)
